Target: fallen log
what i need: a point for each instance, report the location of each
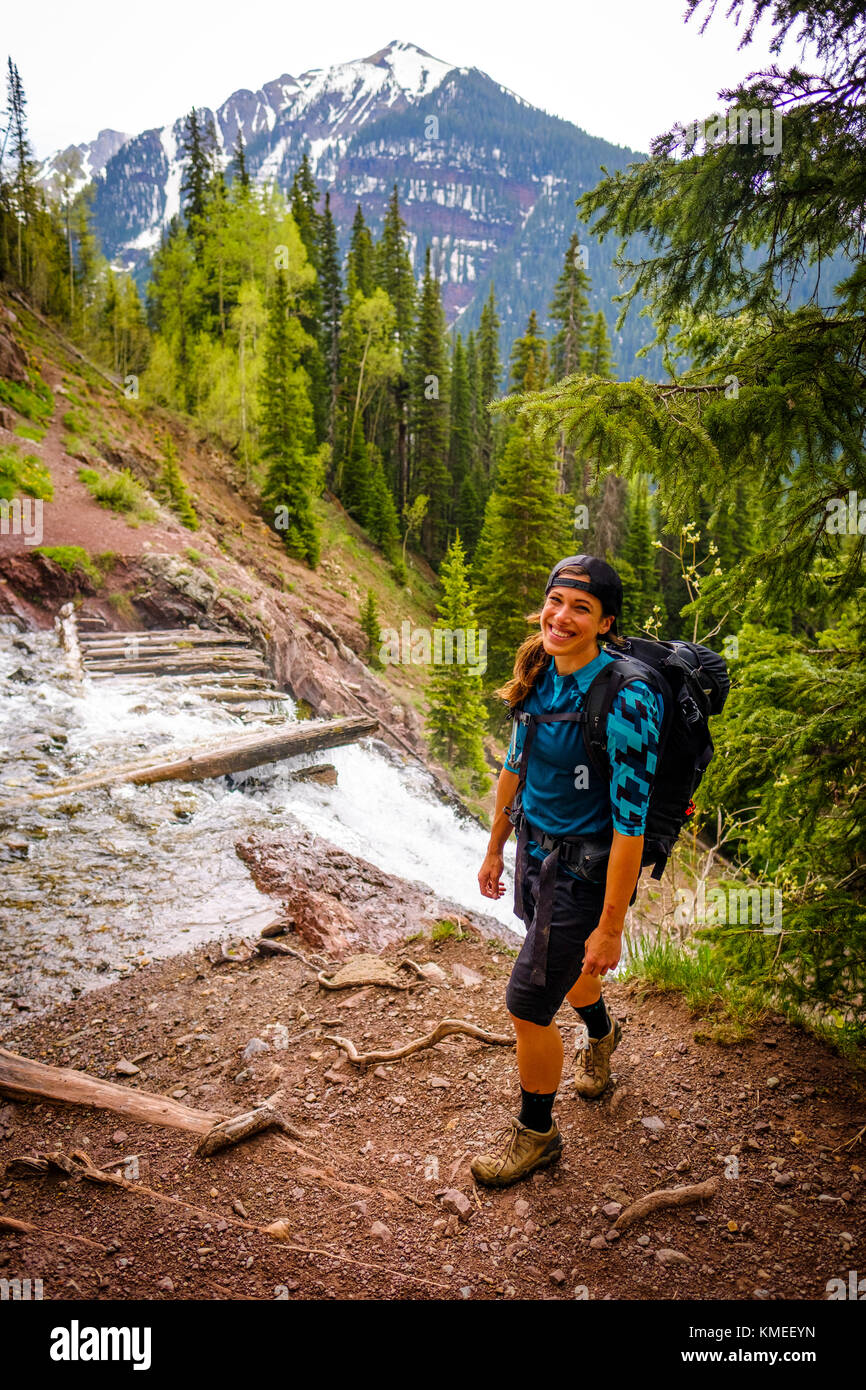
(249, 662)
(442, 1030)
(665, 1198)
(197, 765)
(187, 636)
(24, 1079)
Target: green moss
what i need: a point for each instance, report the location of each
(23, 473)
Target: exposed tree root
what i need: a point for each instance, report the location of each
(442, 1030)
(27, 1228)
(668, 1197)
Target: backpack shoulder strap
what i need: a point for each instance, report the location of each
(599, 700)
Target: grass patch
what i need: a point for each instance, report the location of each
(729, 1010)
(23, 473)
(446, 930)
(75, 421)
(122, 604)
(499, 948)
(237, 593)
(35, 401)
(118, 491)
(34, 432)
(194, 556)
(74, 559)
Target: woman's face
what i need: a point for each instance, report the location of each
(571, 619)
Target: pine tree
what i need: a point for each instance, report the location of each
(287, 431)
(370, 626)
(598, 357)
(331, 313)
(198, 145)
(381, 520)
(360, 264)
(460, 430)
(529, 359)
(526, 529)
(24, 167)
(393, 269)
(456, 716)
(173, 486)
(570, 309)
(643, 593)
(489, 376)
(239, 158)
(430, 473)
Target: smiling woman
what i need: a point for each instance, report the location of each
(579, 847)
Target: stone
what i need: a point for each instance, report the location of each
(653, 1123)
(557, 1276)
(119, 1136)
(598, 1243)
(783, 1179)
(469, 979)
(772, 1082)
(521, 1207)
(126, 1068)
(455, 1201)
(612, 1209)
(253, 1046)
(379, 1231)
(166, 1284)
(438, 1083)
(672, 1257)
(432, 971)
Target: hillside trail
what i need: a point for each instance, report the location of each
(376, 1200)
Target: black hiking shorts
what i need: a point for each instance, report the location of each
(575, 914)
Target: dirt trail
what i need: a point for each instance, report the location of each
(776, 1119)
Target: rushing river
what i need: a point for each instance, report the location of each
(95, 884)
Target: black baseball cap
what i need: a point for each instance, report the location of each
(603, 581)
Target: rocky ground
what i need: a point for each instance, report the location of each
(376, 1200)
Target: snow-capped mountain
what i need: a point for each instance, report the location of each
(484, 178)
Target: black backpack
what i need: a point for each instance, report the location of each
(693, 682)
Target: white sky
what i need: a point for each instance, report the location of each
(622, 69)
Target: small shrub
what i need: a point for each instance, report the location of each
(23, 473)
(73, 559)
(34, 432)
(194, 556)
(119, 491)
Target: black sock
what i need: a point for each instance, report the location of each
(536, 1112)
(596, 1018)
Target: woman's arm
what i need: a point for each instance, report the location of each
(604, 945)
(490, 873)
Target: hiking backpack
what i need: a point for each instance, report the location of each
(693, 682)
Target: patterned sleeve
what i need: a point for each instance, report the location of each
(515, 747)
(633, 729)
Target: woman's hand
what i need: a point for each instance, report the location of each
(602, 951)
(490, 875)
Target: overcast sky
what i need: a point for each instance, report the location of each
(622, 69)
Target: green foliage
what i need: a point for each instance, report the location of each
(23, 473)
(118, 491)
(457, 716)
(173, 486)
(35, 401)
(74, 559)
(371, 627)
(447, 930)
(34, 432)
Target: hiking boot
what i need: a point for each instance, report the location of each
(524, 1151)
(592, 1070)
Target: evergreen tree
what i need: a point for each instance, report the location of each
(381, 519)
(529, 359)
(460, 431)
(331, 313)
(24, 169)
(489, 376)
(198, 145)
(526, 529)
(639, 551)
(598, 357)
(239, 159)
(456, 715)
(287, 431)
(360, 265)
(173, 487)
(370, 626)
(394, 269)
(570, 309)
(430, 473)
